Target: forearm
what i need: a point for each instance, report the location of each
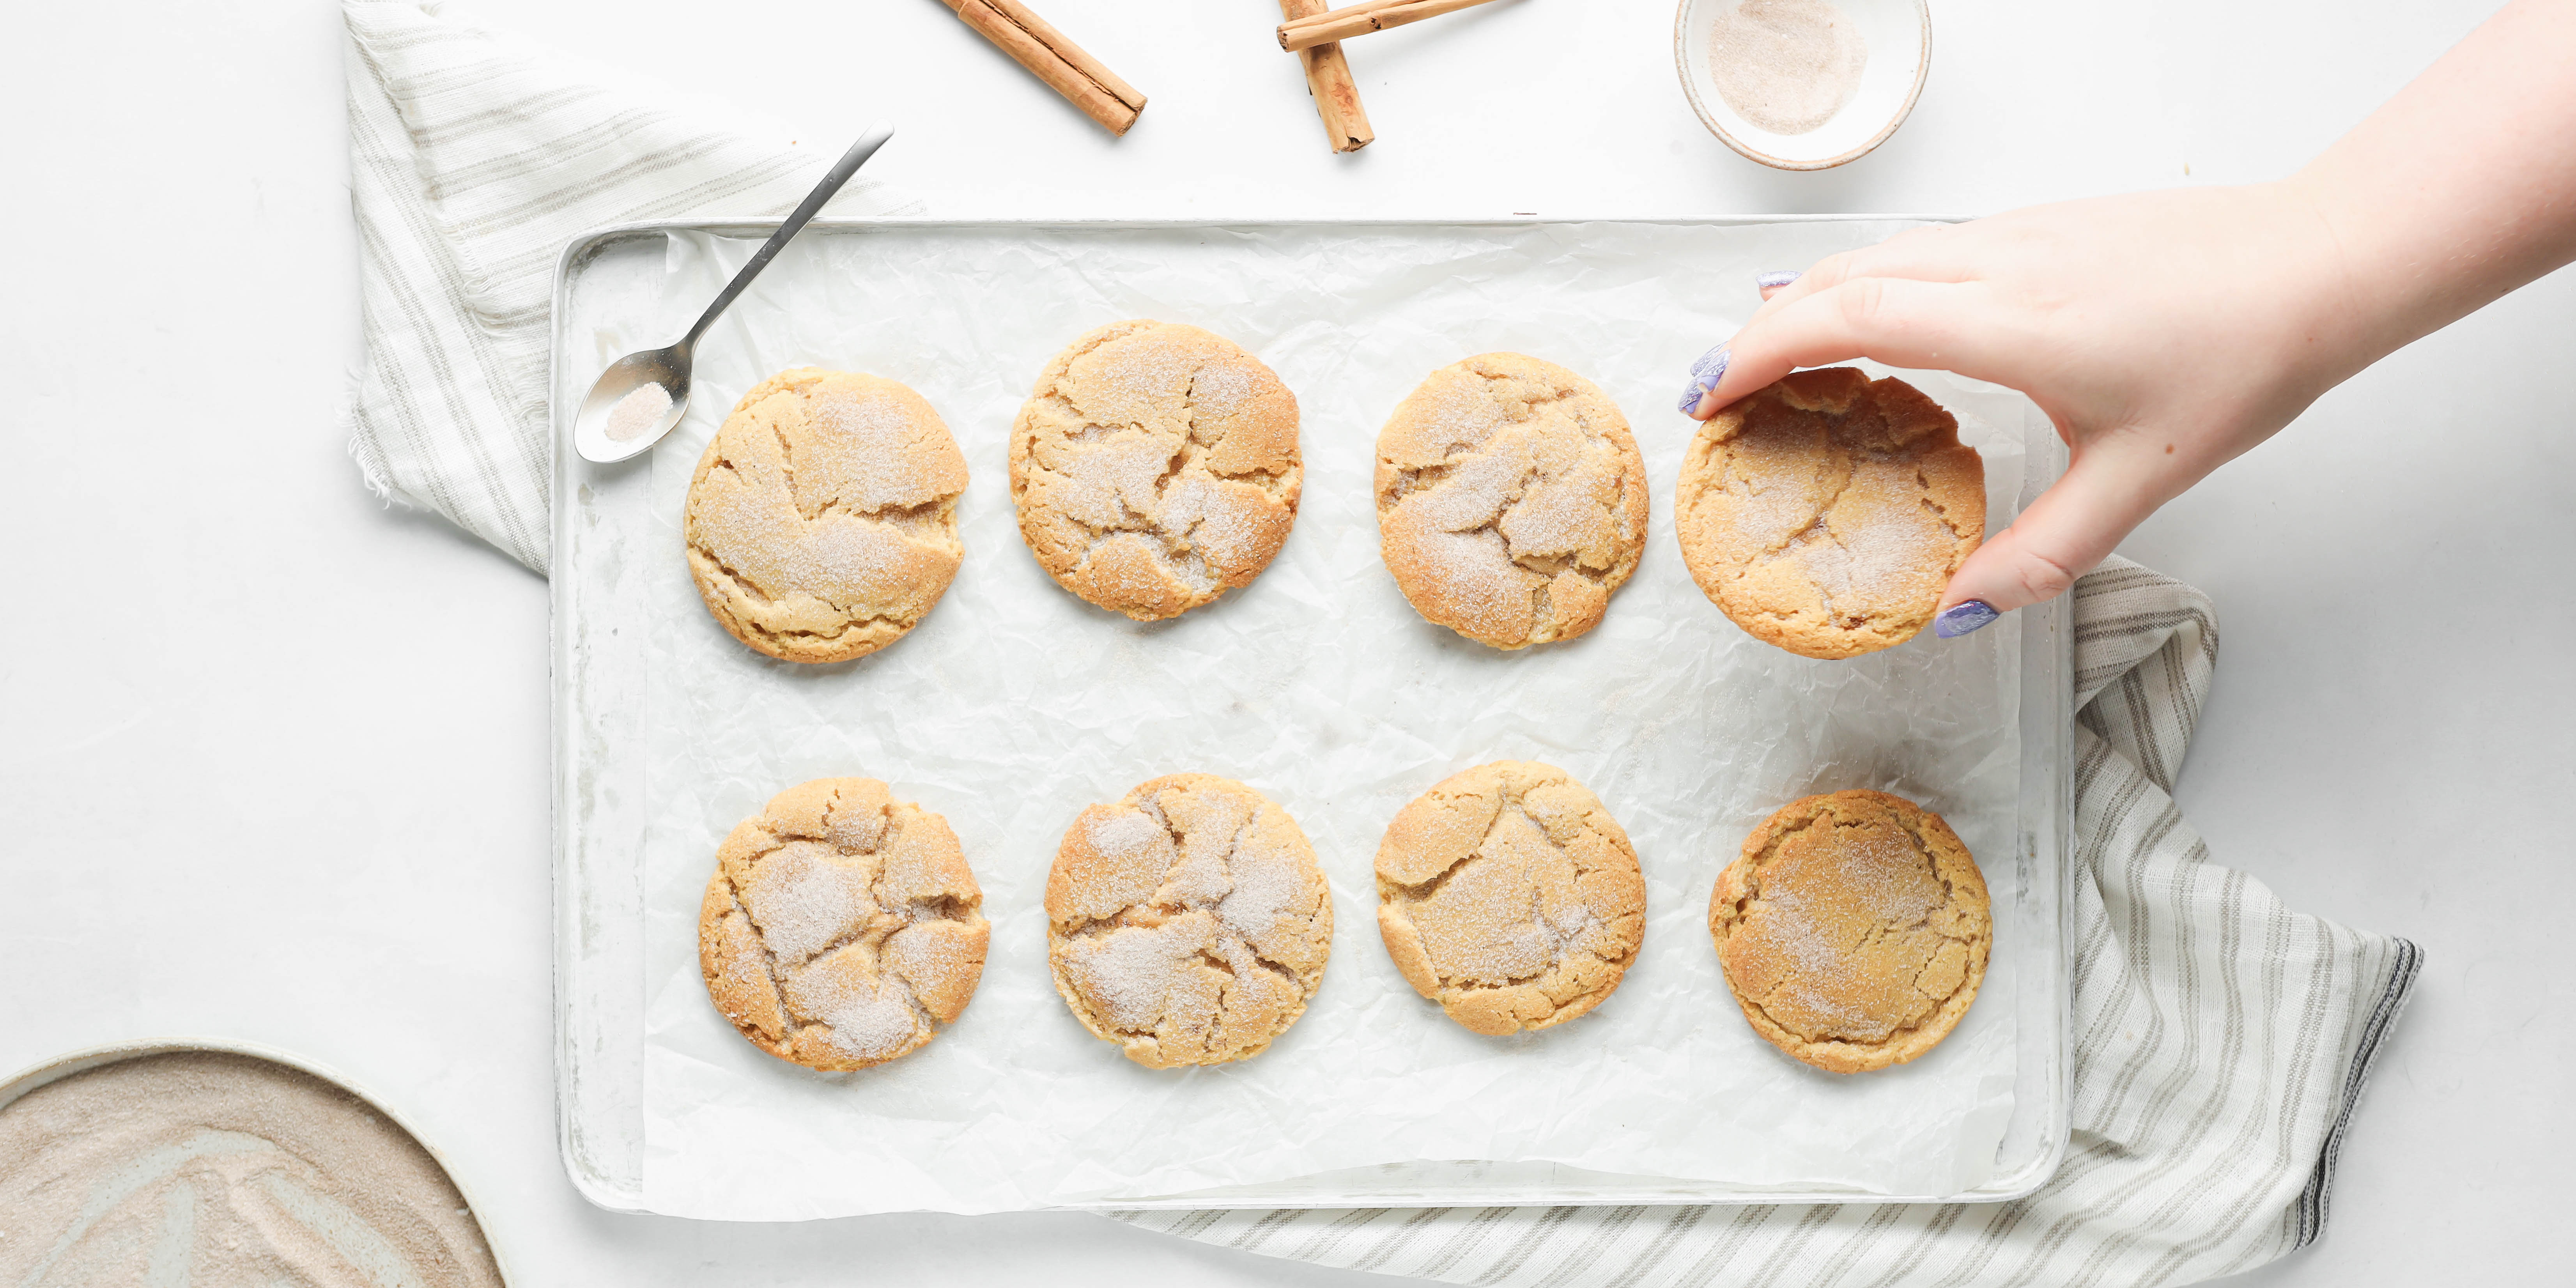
(2458, 190)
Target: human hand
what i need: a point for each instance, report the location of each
(2164, 334)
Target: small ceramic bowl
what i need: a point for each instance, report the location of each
(1899, 36)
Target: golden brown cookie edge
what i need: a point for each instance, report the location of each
(1851, 1057)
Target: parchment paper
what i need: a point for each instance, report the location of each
(1014, 705)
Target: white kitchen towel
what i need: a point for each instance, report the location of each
(473, 159)
(2221, 1041)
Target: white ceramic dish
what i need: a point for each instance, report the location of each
(1899, 36)
(63, 1066)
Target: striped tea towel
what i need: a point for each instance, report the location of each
(2221, 1041)
(472, 160)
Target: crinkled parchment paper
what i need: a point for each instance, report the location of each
(1014, 705)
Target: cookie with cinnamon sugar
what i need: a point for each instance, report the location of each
(1510, 896)
(1155, 467)
(841, 926)
(1188, 923)
(1853, 930)
(821, 523)
(1511, 500)
(1825, 513)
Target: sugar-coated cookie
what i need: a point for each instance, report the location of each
(1155, 468)
(1187, 923)
(1825, 513)
(841, 926)
(1509, 895)
(1853, 930)
(822, 521)
(1510, 500)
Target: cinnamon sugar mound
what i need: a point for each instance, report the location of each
(841, 926)
(822, 521)
(1825, 513)
(1510, 500)
(1155, 467)
(1854, 930)
(1188, 922)
(1786, 66)
(1509, 895)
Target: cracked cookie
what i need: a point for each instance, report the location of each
(1155, 468)
(1187, 923)
(1510, 500)
(1853, 930)
(822, 521)
(1509, 895)
(842, 926)
(1825, 513)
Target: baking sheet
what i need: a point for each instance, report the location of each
(1014, 705)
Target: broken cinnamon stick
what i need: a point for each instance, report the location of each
(1053, 58)
(1328, 78)
(1361, 19)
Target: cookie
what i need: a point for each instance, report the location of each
(1187, 923)
(1508, 895)
(842, 926)
(1825, 513)
(1155, 468)
(822, 521)
(1853, 930)
(1510, 500)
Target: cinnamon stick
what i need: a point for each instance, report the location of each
(1062, 64)
(1328, 78)
(1361, 19)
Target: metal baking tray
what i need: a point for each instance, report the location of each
(600, 949)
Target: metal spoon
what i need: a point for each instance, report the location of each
(669, 367)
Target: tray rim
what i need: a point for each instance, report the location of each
(2049, 636)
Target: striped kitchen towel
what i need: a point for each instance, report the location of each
(2221, 1041)
(473, 159)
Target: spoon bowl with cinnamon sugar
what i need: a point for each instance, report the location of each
(1802, 84)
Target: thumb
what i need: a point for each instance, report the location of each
(2061, 536)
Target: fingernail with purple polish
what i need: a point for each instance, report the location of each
(1964, 618)
(1773, 281)
(1705, 374)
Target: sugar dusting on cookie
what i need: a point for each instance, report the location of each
(1853, 930)
(856, 917)
(1130, 972)
(1485, 920)
(1825, 513)
(1262, 881)
(1130, 835)
(1813, 993)
(1155, 468)
(1497, 475)
(863, 454)
(871, 1019)
(1527, 928)
(803, 897)
(1189, 923)
(819, 523)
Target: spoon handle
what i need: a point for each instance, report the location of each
(832, 180)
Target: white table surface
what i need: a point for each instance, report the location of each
(250, 719)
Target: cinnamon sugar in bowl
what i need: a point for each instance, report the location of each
(1802, 84)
